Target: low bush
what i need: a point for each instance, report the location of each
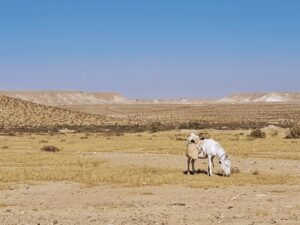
(294, 132)
(50, 148)
(257, 133)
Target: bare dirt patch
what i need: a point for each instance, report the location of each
(68, 203)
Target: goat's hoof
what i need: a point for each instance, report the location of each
(186, 172)
(189, 173)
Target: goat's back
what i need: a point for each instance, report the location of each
(192, 151)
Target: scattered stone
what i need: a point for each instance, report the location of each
(67, 131)
(260, 195)
(179, 204)
(235, 198)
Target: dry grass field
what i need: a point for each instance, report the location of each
(21, 158)
(136, 178)
(119, 177)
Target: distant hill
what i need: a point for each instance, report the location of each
(262, 97)
(172, 101)
(16, 114)
(80, 98)
(58, 98)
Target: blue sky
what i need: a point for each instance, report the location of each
(151, 49)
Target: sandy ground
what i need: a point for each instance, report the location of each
(69, 203)
(265, 165)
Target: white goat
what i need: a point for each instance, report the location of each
(208, 148)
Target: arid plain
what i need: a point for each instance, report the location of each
(124, 163)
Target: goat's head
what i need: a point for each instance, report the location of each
(193, 138)
(226, 166)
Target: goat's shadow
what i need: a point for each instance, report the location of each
(195, 172)
(185, 172)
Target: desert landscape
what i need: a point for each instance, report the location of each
(149, 112)
(122, 161)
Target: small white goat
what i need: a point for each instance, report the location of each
(209, 149)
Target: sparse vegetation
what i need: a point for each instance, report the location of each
(31, 164)
(257, 133)
(84, 137)
(61, 167)
(50, 148)
(255, 172)
(235, 170)
(294, 132)
(217, 116)
(34, 118)
(145, 129)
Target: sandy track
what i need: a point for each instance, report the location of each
(69, 203)
(264, 165)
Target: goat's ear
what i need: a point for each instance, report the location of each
(226, 157)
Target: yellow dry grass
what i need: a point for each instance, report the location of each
(21, 159)
(236, 143)
(40, 166)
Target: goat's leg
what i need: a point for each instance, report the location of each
(188, 166)
(193, 165)
(209, 166)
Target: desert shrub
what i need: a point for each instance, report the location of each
(272, 130)
(158, 126)
(294, 132)
(235, 170)
(274, 133)
(257, 133)
(155, 126)
(255, 172)
(204, 135)
(192, 125)
(50, 148)
(179, 139)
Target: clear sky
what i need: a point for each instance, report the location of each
(151, 48)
